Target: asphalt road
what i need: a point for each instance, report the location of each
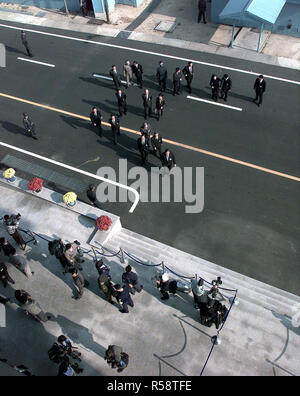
(250, 222)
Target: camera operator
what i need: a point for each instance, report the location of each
(214, 291)
(68, 347)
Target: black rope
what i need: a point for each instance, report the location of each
(139, 262)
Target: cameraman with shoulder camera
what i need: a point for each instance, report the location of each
(12, 224)
(214, 291)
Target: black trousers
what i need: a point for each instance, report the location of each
(215, 93)
(144, 156)
(29, 53)
(126, 303)
(124, 108)
(224, 93)
(176, 88)
(99, 126)
(259, 97)
(139, 80)
(189, 81)
(157, 151)
(162, 84)
(147, 112)
(160, 113)
(201, 14)
(116, 132)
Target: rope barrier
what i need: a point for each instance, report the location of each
(139, 262)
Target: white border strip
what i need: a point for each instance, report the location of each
(33, 61)
(136, 194)
(215, 103)
(154, 53)
(110, 78)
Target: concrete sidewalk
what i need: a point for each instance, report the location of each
(139, 24)
(162, 338)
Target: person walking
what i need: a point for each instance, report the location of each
(201, 10)
(104, 281)
(20, 263)
(114, 75)
(12, 224)
(168, 159)
(127, 71)
(115, 127)
(79, 282)
(73, 256)
(4, 275)
(96, 118)
(131, 279)
(226, 85)
(29, 126)
(159, 106)
(259, 87)
(143, 147)
(31, 306)
(57, 248)
(163, 285)
(145, 130)
(122, 105)
(156, 142)
(147, 103)
(123, 296)
(188, 72)
(115, 357)
(161, 75)
(25, 43)
(215, 83)
(6, 247)
(137, 70)
(92, 196)
(177, 78)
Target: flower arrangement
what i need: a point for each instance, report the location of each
(35, 184)
(70, 198)
(9, 175)
(103, 223)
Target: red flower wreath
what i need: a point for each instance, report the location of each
(103, 223)
(35, 184)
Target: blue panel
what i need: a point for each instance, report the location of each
(234, 8)
(263, 10)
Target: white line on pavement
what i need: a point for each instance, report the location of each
(215, 103)
(154, 53)
(135, 193)
(110, 78)
(33, 61)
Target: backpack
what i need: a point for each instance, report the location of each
(56, 353)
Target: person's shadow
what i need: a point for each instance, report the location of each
(99, 82)
(15, 50)
(101, 106)
(76, 123)
(80, 335)
(13, 128)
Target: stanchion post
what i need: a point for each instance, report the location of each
(163, 267)
(122, 256)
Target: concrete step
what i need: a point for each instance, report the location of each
(249, 289)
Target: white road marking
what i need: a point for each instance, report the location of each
(215, 103)
(33, 61)
(136, 194)
(110, 78)
(155, 53)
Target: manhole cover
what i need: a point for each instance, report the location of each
(166, 26)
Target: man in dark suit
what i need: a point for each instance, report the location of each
(260, 87)
(161, 75)
(122, 105)
(225, 86)
(188, 72)
(202, 10)
(124, 297)
(168, 159)
(177, 78)
(143, 146)
(131, 279)
(138, 72)
(115, 126)
(159, 106)
(156, 142)
(215, 83)
(96, 118)
(114, 75)
(29, 125)
(147, 103)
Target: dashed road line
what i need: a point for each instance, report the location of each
(215, 103)
(34, 61)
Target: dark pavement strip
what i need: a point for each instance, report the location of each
(250, 221)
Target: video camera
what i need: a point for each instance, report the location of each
(216, 282)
